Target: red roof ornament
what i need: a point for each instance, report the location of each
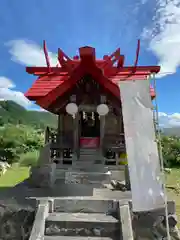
(46, 55)
(54, 82)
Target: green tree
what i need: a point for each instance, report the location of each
(171, 150)
(17, 140)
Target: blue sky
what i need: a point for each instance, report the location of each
(103, 24)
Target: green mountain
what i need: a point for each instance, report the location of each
(173, 131)
(11, 112)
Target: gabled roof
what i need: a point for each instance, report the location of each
(53, 82)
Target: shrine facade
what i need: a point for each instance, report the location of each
(83, 93)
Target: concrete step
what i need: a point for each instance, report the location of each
(90, 152)
(93, 154)
(75, 238)
(85, 205)
(82, 166)
(89, 149)
(81, 224)
(85, 167)
(83, 156)
(89, 161)
(84, 173)
(84, 176)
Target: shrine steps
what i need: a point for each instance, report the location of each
(81, 224)
(83, 164)
(76, 218)
(90, 154)
(85, 204)
(86, 165)
(75, 238)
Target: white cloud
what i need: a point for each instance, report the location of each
(164, 35)
(6, 83)
(28, 53)
(169, 120)
(8, 93)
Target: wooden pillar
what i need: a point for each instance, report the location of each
(120, 123)
(60, 134)
(77, 135)
(102, 126)
(47, 135)
(75, 127)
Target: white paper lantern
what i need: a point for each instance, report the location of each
(102, 109)
(71, 108)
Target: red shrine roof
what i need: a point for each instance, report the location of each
(53, 82)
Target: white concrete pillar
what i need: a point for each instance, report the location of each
(126, 222)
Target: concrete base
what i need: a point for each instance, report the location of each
(42, 176)
(89, 217)
(85, 205)
(50, 175)
(93, 198)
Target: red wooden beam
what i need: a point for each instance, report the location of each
(46, 55)
(65, 61)
(37, 71)
(121, 61)
(137, 53)
(138, 70)
(110, 60)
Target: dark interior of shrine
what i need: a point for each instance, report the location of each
(89, 124)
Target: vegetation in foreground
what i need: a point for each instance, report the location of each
(173, 189)
(14, 175)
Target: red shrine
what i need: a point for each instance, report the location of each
(87, 82)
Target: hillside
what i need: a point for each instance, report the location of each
(11, 112)
(173, 131)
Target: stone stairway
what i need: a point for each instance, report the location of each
(88, 169)
(81, 224)
(76, 218)
(75, 238)
(89, 154)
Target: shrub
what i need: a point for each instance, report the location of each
(29, 159)
(17, 140)
(171, 151)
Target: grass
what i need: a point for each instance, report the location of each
(173, 189)
(14, 176)
(29, 159)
